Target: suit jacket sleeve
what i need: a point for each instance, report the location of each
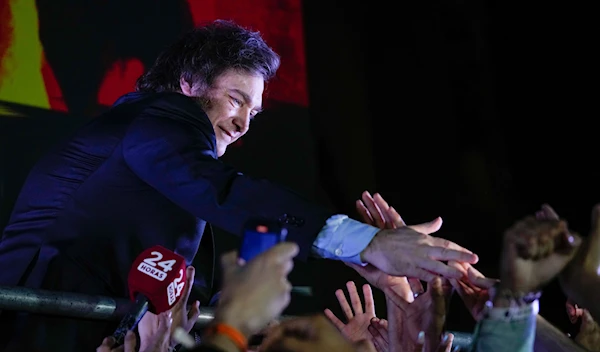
(171, 147)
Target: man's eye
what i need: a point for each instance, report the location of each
(237, 101)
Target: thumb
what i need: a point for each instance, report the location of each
(130, 341)
(428, 227)
(282, 251)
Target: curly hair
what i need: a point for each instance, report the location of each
(205, 53)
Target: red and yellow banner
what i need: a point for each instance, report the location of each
(71, 55)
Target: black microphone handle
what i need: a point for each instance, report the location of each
(131, 319)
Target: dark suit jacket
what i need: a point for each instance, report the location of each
(144, 173)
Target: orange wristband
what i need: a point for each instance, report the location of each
(232, 333)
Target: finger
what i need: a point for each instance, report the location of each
(381, 326)
(395, 217)
(438, 308)
(549, 213)
(446, 287)
(404, 290)
(416, 285)
(183, 338)
(428, 227)
(108, 341)
(373, 210)
(194, 314)
(363, 212)
(354, 298)
(384, 207)
(422, 274)
(445, 250)
(377, 337)
(334, 320)
(459, 287)
(472, 272)
(440, 268)
(420, 342)
(344, 304)
(446, 344)
(463, 267)
(369, 301)
(190, 272)
(130, 341)
(164, 321)
(477, 279)
(398, 300)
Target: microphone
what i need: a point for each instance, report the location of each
(156, 280)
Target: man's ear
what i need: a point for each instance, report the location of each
(186, 87)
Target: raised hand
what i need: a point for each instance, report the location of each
(256, 292)
(374, 210)
(151, 326)
(535, 251)
(408, 317)
(356, 329)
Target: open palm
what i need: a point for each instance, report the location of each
(358, 320)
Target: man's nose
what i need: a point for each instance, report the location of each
(242, 122)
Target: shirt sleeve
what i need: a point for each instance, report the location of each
(343, 239)
(507, 329)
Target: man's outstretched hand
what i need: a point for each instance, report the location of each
(411, 251)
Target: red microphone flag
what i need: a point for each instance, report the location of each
(160, 275)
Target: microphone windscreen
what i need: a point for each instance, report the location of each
(160, 275)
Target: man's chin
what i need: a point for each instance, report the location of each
(221, 150)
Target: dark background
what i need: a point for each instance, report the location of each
(471, 110)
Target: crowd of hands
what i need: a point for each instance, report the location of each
(535, 250)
